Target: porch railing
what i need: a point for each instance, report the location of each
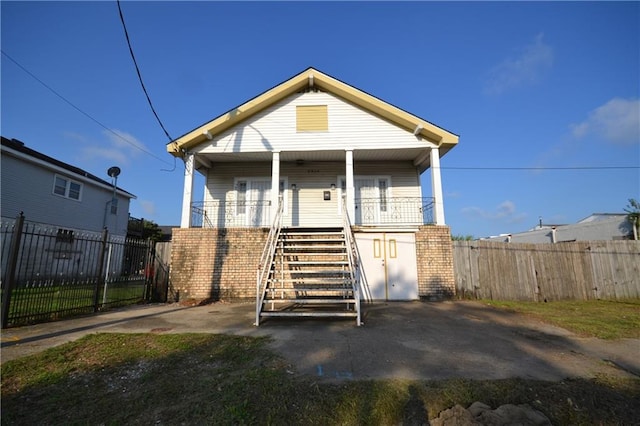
(368, 211)
(394, 211)
(354, 261)
(266, 261)
(230, 214)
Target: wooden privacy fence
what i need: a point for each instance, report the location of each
(543, 272)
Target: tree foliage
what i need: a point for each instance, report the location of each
(151, 231)
(460, 237)
(633, 213)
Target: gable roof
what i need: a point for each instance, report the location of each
(311, 77)
(20, 147)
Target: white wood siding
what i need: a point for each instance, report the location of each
(275, 129)
(306, 205)
(405, 181)
(28, 188)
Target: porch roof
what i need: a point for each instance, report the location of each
(311, 77)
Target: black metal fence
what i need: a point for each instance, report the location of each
(50, 273)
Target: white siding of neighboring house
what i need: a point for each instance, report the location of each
(305, 206)
(28, 188)
(275, 129)
(614, 228)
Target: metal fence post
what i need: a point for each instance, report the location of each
(12, 264)
(149, 269)
(100, 278)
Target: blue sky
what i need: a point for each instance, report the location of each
(525, 85)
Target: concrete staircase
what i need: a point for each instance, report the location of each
(310, 276)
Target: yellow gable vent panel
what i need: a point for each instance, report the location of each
(312, 118)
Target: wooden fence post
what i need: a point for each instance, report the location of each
(100, 280)
(12, 264)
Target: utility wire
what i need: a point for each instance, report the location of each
(543, 168)
(144, 89)
(160, 159)
(81, 111)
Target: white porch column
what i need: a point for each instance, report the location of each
(275, 184)
(436, 187)
(351, 204)
(187, 194)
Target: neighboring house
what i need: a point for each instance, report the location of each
(55, 193)
(65, 211)
(596, 227)
(346, 165)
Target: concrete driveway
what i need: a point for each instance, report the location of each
(413, 340)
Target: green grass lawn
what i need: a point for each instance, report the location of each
(593, 318)
(218, 379)
(50, 302)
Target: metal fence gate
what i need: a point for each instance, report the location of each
(50, 273)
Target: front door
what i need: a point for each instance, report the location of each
(366, 193)
(389, 265)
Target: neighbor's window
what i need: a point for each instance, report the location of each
(67, 188)
(312, 118)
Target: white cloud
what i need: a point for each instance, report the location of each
(120, 147)
(617, 121)
(504, 212)
(148, 207)
(534, 61)
(93, 152)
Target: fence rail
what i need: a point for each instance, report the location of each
(49, 273)
(543, 272)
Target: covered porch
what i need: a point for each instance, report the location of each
(316, 188)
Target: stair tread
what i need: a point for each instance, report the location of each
(311, 281)
(314, 271)
(307, 314)
(307, 241)
(312, 300)
(317, 262)
(306, 253)
(344, 289)
(290, 233)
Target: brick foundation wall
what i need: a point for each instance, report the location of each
(215, 263)
(434, 253)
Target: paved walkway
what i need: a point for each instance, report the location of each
(415, 340)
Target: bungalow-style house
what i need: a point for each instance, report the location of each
(348, 220)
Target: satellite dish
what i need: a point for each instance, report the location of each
(113, 171)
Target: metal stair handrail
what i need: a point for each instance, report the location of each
(266, 259)
(354, 259)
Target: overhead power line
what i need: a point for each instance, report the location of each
(144, 89)
(543, 168)
(162, 160)
(81, 111)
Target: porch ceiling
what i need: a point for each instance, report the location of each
(407, 154)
